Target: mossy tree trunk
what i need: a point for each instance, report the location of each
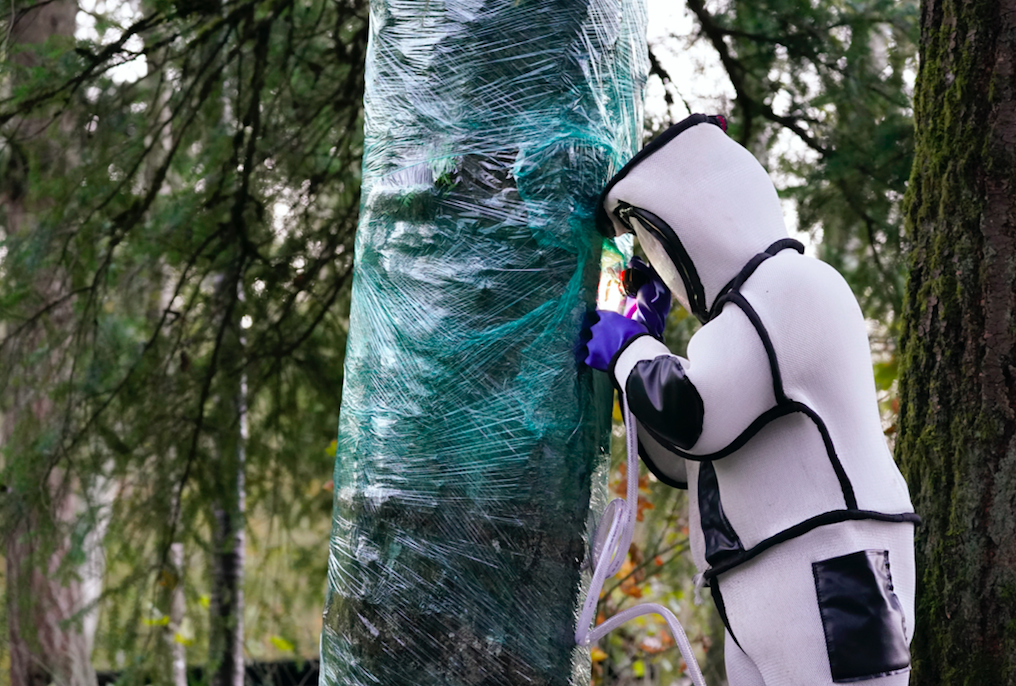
(957, 441)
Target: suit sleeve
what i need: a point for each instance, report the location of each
(702, 403)
(665, 465)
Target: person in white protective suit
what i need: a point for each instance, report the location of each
(801, 523)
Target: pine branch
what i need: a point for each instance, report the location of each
(736, 71)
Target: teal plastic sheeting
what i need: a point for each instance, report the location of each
(470, 434)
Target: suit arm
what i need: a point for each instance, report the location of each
(702, 403)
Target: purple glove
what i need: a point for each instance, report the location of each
(651, 295)
(609, 334)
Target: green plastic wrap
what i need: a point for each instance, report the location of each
(470, 434)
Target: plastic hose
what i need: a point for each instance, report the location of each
(610, 547)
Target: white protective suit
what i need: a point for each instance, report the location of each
(800, 520)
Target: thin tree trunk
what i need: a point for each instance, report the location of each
(469, 432)
(174, 661)
(175, 649)
(226, 640)
(957, 441)
(227, 596)
(229, 520)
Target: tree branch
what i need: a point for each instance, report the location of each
(736, 72)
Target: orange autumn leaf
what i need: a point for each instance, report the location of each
(642, 507)
(621, 487)
(597, 654)
(632, 590)
(627, 567)
(633, 563)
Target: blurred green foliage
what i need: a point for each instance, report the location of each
(822, 95)
(212, 195)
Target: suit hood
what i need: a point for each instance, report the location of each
(706, 202)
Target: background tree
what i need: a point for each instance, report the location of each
(53, 549)
(957, 441)
(171, 200)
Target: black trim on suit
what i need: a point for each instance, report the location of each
(676, 251)
(801, 528)
(729, 551)
(603, 222)
(657, 472)
(721, 608)
(721, 541)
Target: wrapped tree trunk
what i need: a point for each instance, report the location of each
(469, 432)
(957, 441)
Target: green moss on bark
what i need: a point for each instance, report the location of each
(958, 383)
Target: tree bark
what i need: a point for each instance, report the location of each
(51, 628)
(47, 644)
(957, 441)
(469, 432)
(226, 638)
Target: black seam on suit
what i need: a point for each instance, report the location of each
(801, 528)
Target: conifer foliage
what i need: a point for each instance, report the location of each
(821, 94)
(201, 240)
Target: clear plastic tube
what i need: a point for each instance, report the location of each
(609, 551)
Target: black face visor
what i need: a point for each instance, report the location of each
(675, 253)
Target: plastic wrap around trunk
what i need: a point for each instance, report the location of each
(470, 434)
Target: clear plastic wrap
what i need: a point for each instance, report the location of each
(470, 434)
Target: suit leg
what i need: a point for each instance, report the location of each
(741, 671)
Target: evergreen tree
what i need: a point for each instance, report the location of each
(181, 230)
(53, 545)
